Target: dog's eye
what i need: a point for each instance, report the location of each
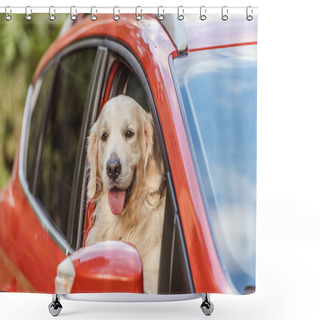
(104, 137)
(129, 134)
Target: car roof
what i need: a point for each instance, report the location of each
(214, 32)
(152, 33)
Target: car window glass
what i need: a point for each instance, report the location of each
(218, 90)
(63, 126)
(39, 101)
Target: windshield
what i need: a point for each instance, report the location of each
(218, 90)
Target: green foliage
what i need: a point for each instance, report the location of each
(22, 43)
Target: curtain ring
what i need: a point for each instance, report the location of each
(28, 13)
(6, 15)
(52, 10)
(249, 16)
(93, 16)
(180, 13)
(160, 15)
(203, 13)
(73, 15)
(138, 16)
(116, 17)
(224, 13)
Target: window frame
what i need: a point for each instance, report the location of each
(127, 59)
(36, 155)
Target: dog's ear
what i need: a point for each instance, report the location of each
(92, 154)
(153, 166)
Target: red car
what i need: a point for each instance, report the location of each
(169, 67)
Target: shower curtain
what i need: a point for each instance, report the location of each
(128, 151)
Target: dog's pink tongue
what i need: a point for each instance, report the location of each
(116, 199)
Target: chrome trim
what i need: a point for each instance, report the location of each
(26, 120)
(129, 297)
(42, 217)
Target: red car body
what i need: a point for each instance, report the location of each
(28, 255)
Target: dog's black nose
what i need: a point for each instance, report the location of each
(113, 168)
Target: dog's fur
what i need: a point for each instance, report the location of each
(141, 220)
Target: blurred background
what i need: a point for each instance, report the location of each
(22, 44)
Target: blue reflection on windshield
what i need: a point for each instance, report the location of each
(218, 89)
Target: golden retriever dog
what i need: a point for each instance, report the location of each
(127, 182)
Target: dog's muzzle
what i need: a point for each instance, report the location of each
(118, 198)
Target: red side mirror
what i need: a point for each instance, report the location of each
(110, 266)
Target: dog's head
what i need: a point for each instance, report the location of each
(122, 153)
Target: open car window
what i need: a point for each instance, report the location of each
(174, 275)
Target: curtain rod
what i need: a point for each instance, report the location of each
(126, 9)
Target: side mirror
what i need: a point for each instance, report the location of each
(110, 266)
